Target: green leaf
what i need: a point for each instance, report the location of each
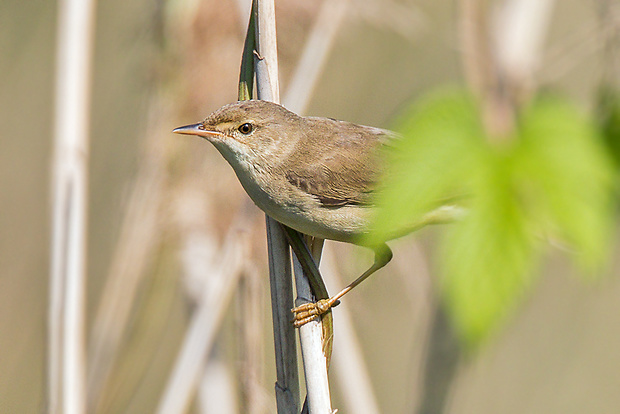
(441, 138)
(567, 178)
(551, 180)
(487, 258)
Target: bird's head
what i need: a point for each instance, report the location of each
(248, 129)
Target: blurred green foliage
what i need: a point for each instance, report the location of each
(608, 112)
(550, 180)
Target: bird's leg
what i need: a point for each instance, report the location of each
(308, 311)
(301, 250)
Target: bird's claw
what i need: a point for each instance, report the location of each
(308, 311)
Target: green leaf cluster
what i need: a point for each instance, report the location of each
(550, 180)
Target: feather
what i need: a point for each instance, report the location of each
(346, 164)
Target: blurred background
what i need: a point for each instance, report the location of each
(165, 212)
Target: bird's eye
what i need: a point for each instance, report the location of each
(245, 128)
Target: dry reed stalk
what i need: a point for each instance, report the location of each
(287, 381)
(311, 334)
(66, 368)
(281, 285)
(311, 338)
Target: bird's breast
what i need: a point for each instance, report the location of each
(278, 198)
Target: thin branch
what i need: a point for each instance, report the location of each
(69, 191)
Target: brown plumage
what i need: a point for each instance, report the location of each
(316, 175)
(344, 168)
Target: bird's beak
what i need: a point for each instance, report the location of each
(196, 129)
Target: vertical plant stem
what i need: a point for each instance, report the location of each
(281, 285)
(311, 334)
(267, 47)
(311, 338)
(316, 336)
(66, 371)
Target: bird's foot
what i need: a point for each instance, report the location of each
(308, 311)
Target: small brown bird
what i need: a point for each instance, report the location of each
(315, 175)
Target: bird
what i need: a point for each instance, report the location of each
(319, 176)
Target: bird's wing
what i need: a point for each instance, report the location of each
(346, 166)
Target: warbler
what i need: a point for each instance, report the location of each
(318, 176)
